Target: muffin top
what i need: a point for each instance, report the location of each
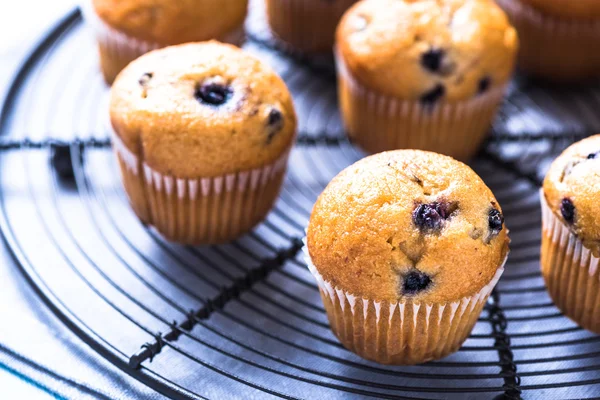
(428, 49)
(407, 225)
(572, 190)
(580, 9)
(202, 110)
(172, 22)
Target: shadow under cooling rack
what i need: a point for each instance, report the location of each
(246, 317)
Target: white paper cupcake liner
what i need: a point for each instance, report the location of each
(203, 210)
(570, 270)
(378, 122)
(306, 25)
(403, 332)
(554, 47)
(119, 48)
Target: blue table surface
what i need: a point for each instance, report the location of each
(39, 357)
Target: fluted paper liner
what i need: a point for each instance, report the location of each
(117, 49)
(570, 270)
(404, 332)
(379, 123)
(554, 47)
(306, 25)
(204, 210)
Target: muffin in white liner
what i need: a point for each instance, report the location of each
(406, 247)
(202, 132)
(425, 75)
(126, 29)
(560, 43)
(306, 25)
(571, 232)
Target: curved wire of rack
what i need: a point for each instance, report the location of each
(246, 317)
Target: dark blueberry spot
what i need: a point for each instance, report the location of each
(435, 94)
(275, 117)
(495, 221)
(213, 93)
(484, 85)
(567, 210)
(593, 156)
(431, 217)
(61, 160)
(145, 78)
(414, 282)
(274, 124)
(432, 59)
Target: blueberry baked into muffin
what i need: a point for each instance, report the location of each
(306, 25)
(126, 29)
(406, 247)
(423, 74)
(571, 232)
(559, 38)
(202, 133)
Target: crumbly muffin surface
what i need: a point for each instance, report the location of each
(169, 22)
(430, 50)
(408, 224)
(202, 110)
(572, 189)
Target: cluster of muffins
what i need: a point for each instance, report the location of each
(406, 245)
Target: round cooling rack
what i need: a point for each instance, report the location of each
(245, 319)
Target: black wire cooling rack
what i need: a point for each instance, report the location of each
(245, 319)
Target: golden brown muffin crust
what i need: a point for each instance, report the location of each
(363, 236)
(172, 22)
(409, 48)
(578, 9)
(156, 108)
(572, 189)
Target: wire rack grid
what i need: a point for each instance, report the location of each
(245, 319)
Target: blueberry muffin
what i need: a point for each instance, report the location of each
(559, 38)
(126, 29)
(571, 232)
(202, 132)
(306, 25)
(406, 247)
(423, 74)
